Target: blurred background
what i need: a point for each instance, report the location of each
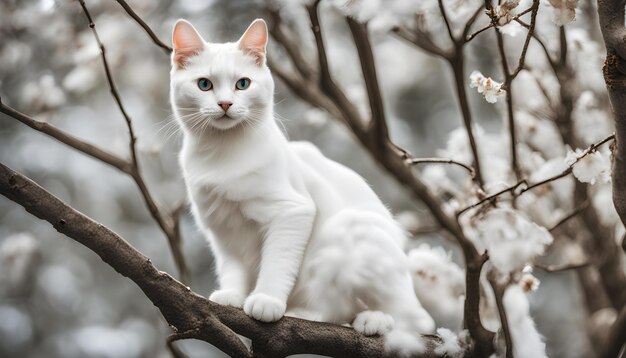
(58, 299)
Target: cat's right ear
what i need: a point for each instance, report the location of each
(187, 42)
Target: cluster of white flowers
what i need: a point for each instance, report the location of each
(591, 167)
(505, 15)
(564, 11)
(489, 88)
(510, 238)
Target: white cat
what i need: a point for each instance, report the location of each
(292, 231)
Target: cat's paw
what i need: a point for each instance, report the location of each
(264, 308)
(228, 298)
(372, 323)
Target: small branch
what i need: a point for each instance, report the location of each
(528, 187)
(442, 161)
(469, 23)
(492, 197)
(68, 139)
(569, 216)
(442, 10)
(349, 112)
(478, 32)
(295, 53)
(421, 40)
(566, 267)
(145, 26)
(164, 222)
(531, 30)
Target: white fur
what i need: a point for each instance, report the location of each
(292, 231)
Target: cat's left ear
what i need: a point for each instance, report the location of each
(254, 40)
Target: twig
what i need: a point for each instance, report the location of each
(442, 10)
(68, 139)
(492, 196)
(165, 223)
(442, 161)
(569, 216)
(566, 267)
(145, 26)
(528, 186)
(299, 61)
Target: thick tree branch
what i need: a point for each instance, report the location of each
(191, 315)
(611, 16)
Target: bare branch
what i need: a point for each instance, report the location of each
(469, 23)
(189, 313)
(349, 112)
(166, 223)
(443, 161)
(145, 26)
(68, 139)
(442, 10)
(277, 31)
(378, 122)
(571, 215)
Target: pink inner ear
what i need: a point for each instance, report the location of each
(187, 42)
(254, 40)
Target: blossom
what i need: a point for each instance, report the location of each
(504, 11)
(564, 11)
(511, 239)
(489, 88)
(591, 167)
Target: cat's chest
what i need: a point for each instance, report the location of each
(216, 211)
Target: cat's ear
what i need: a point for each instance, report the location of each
(187, 42)
(254, 40)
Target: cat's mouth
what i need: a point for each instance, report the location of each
(225, 117)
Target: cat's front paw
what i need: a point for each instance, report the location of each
(228, 298)
(264, 308)
(372, 323)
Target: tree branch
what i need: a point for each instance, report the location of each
(145, 26)
(165, 223)
(190, 314)
(378, 121)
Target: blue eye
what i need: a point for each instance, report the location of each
(242, 83)
(204, 84)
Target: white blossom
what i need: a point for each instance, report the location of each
(489, 88)
(564, 11)
(591, 167)
(511, 239)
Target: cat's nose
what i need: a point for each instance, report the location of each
(225, 105)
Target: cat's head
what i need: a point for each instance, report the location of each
(220, 85)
